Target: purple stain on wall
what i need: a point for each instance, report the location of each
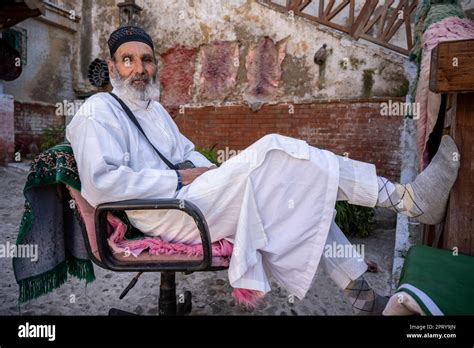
(263, 64)
(176, 76)
(219, 67)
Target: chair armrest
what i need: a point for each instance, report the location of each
(148, 204)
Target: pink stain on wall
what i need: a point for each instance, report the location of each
(219, 64)
(263, 64)
(176, 76)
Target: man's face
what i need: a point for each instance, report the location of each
(134, 66)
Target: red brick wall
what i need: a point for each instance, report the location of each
(352, 127)
(7, 135)
(30, 121)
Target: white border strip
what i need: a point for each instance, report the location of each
(434, 309)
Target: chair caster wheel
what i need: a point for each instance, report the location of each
(184, 303)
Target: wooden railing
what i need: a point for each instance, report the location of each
(376, 20)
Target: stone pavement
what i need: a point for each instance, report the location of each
(211, 291)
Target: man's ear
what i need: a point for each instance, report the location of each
(110, 66)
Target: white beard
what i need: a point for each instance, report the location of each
(125, 87)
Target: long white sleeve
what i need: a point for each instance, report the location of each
(102, 154)
(188, 148)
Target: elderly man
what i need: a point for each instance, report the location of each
(274, 201)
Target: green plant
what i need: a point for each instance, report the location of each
(52, 136)
(355, 62)
(210, 154)
(367, 82)
(354, 219)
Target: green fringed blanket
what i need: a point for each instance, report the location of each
(49, 224)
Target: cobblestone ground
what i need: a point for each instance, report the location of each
(211, 291)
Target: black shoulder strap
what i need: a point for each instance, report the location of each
(135, 122)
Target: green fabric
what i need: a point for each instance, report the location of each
(54, 166)
(439, 12)
(447, 279)
(427, 13)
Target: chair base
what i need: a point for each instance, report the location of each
(167, 304)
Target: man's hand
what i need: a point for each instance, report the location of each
(189, 175)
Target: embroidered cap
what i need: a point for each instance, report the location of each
(127, 34)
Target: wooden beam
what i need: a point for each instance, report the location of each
(388, 3)
(351, 14)
(407, 13)
(400, 50)
(338, 9)
(452, 67)
(408, 26)
(392, 19)
(364, 15)
(375, 18)
(459, 227)
(304, 4)
(359, 25)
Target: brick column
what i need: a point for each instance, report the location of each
(7, 129)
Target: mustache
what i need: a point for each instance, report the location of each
(135, 78)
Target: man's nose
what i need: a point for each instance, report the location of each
(139, 68)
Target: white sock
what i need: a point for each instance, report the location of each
(386, 189)
(426, 197)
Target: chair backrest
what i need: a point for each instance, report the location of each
(87, 215)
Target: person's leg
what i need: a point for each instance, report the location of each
(424, 199)
(347, 272)
(357, 182)
(341, 268)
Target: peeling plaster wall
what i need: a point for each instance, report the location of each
(192, 23)
(105, 20)
(99, 19)
(47, 76)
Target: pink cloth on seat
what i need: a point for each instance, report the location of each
(155, 245)
(221, 250)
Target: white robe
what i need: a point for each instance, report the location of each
(274, 201)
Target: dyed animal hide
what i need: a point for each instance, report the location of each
(176, 76)
(449, 29)
(263, 64)
(219, 66)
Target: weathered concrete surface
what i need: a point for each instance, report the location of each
(195, 24)
(408, 231)
(49, 60)
(212, 294)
